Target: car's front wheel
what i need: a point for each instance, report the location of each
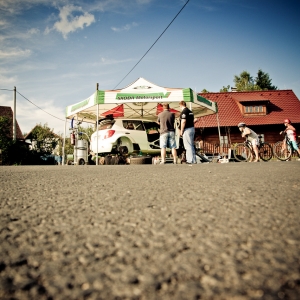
(125, 142)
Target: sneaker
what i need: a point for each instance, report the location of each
(162, 162)
(298, 159)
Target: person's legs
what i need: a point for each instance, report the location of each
(255, 149)
(163, 154)
(163, 140)
(188, 141)
(172, 145)
(295, 146)
(174, 153)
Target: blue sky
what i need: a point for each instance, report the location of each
(56, 52)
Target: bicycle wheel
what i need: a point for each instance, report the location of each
(241, 152)
(265, 151)
(282, 151)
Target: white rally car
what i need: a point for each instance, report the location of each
(139, 136)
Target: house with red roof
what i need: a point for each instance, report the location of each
(262, 111)
(6, 111)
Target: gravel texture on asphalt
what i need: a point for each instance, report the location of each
(207, 231)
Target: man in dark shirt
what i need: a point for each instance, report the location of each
(166, 120)
(187, 131)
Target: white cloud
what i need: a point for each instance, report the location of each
(143, 1)
(69, 22)
(14, 53)
(33, 31)
(28, 115)
(7, 80)
(124, 28)
(3, 23)
(106, 61)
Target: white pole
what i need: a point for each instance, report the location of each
(14, 116)
(64, 144)
(97, 119)
(217, 114)
(97, 134)
(76, 141)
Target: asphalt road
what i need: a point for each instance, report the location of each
(210, 231)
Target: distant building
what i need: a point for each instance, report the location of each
(262, 111)
(6, 111)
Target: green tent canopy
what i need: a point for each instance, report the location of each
(140, 100)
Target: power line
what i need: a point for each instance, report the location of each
(123, 77)
(40, 108)
(33, 104)
(153, 44)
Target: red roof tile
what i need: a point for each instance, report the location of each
(247, 97)
(6, 111)
(282, 104)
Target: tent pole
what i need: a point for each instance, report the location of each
(217, 115)
(76, 141)
(14, 116)
(64, 144)
(97, 133)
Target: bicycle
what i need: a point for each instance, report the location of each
(283, 150)
(243, 151)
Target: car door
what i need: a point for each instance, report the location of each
(136, 132)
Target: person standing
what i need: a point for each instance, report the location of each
(187, 131)
(166, 120)
(250, 135)
(291, 133)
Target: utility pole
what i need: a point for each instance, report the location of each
(14, 116)
(97, 125)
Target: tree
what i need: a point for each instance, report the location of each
(204, 91)
(5, 139)
(263, 81)
(46, 139)
(225, 89)
(13, 152)
(245, 82)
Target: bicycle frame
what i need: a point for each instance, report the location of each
(265, 151)
(284, 149)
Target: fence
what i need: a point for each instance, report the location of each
(215, 149)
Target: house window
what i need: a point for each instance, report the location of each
(254, 109)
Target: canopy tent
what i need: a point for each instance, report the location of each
(140, 100)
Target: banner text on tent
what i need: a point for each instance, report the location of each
(152, 96)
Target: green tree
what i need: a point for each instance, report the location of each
(245, 82)
(5, 139)
(13, 152)
(87, 131)
(45, 138)
(225, 88)
(264, 81)
(204, 91)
